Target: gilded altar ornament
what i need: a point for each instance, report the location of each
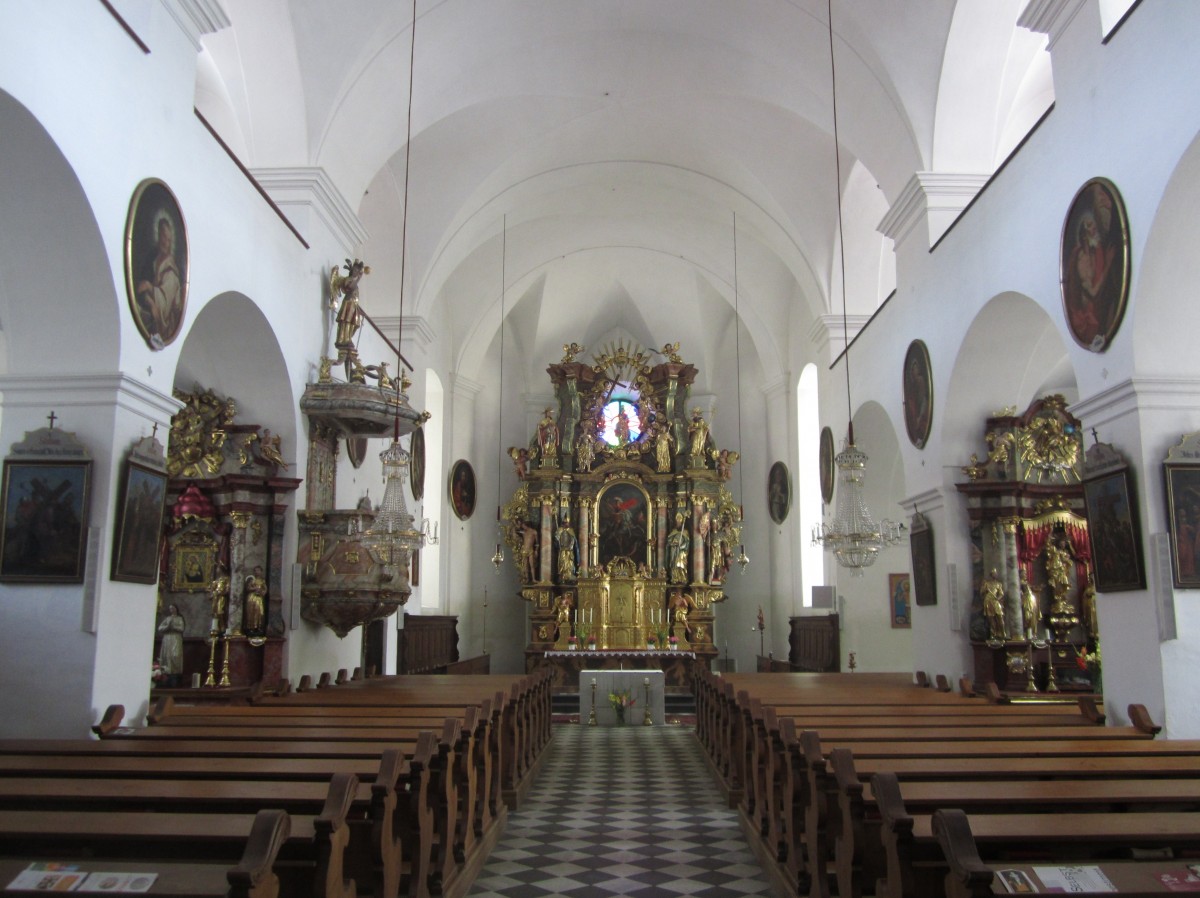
(663, 441)
(585, 451)
(568, 550)
(671, 351)
(198, 430)
(678, 542)
(271, 450)
(520, 457)
(570, 350)
(1049, 449)
(991, 590)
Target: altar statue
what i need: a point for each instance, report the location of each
(529, 551)
(585, 452)
(567, 547)
(254, 609)
(1029, 610)
(680, 605)
(698, 435)
(677, 551)
(662, 448)
(548, 435)
(218, 591)
(562, 616)
(992, 591)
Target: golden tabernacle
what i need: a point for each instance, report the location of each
(622, 530)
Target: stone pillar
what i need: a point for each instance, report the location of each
(585, 536)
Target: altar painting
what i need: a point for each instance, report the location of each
(623, 523)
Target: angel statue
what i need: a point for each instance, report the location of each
(520, 457)
(348, 314)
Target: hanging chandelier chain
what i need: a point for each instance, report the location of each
(503, 282)
(412, 58)
(837, 167)
(737, 343)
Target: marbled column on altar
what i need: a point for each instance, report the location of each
(546, 541)
(585, 536)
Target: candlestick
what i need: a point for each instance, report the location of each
(225, 664)
(647, 718)
(592, 713)
(210, 679)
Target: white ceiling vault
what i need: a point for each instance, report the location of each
(620, 138)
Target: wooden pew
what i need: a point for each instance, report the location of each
(392, 825)
(309, 852)
(917, 862)
(970, 877)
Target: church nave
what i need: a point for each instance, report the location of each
(622, 811)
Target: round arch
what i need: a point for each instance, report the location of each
(232, 350)
(67, 310)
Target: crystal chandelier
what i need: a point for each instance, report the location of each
(853, 536)
(391, 538)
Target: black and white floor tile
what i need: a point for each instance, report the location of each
(622, 811)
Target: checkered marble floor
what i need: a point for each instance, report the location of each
(622, 811)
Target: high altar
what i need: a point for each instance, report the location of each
(622, 530)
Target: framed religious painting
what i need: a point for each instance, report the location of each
(193, 566)
(462, 489)
(918, 393)
(137, 537)
(156, 263)
(623, 522)
(43, 535)
(1094, 264)
(416, 464)
(920, 543)
(1113, 532)
(826, 463)
(1183, 522)
(899, 601)
(779, 492)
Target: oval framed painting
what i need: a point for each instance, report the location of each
(826, 460)
(779, 492)
(1094, 264)
(462, 489)
(918, 393)
(156, 263)
(416, 464)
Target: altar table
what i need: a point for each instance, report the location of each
(610, 681)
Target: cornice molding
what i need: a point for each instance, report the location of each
(197, 18)
(1049, 17)
(311, 189)
(87, 390)
(936, 197)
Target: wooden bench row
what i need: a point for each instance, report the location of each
(389, 800)
(826, 794)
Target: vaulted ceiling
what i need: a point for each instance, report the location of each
(616, 140)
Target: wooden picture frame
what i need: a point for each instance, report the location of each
(826, 459)
(900, 601)
(43, 534)
(917, 381)
(138, 531)
(156, 263)
(779, 492)
(193, 567)
(462, 489)
(1183, 522)
(1113, 532)
(416, 464)
(1094, 264)
(924, 575)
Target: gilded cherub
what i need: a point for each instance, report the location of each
(671, 351)
(520, 457)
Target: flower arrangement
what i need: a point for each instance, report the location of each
(673, 641)
(1089, 663)
(621, 699)
(572, 642)
(650, 641)
(157, 674)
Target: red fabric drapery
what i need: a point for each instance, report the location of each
(1029, 547)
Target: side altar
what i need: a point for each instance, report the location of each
(622, 530)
